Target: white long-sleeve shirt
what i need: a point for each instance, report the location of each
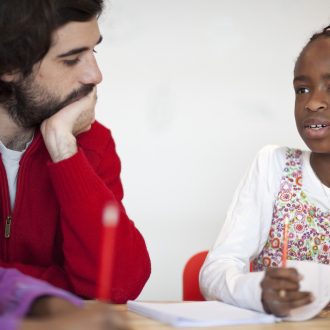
(225, 274)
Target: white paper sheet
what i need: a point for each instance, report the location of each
(316, 279)
(199, 314)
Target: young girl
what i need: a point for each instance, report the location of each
(282, 184)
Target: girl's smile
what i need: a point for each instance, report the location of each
(316, 129)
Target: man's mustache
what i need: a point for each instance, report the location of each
(76, 95)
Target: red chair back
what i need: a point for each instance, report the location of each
(191, 270)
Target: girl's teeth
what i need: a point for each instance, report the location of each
(318, 126)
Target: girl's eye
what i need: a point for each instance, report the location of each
(302, 90)
(71, 62)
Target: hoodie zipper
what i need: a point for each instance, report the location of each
(8, 216)
(8, 226)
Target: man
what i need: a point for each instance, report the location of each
(27, 303)
(59, 166)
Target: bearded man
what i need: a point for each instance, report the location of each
(59, 167)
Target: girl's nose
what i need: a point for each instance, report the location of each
(317, 101)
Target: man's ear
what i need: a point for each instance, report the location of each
(9, 77)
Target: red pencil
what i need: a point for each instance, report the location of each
(285, 242)
(110, 221)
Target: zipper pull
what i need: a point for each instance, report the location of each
(7, 226)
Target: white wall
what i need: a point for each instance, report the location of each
(192, 89)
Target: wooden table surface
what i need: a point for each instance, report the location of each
(138, 322)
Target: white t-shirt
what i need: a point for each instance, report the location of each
(11, 159)
(225, 274)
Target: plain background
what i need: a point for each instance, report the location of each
(192, 90)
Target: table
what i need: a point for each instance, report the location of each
(138, 322)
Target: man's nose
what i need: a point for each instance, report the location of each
(91, 73)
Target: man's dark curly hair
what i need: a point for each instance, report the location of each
(26, 28)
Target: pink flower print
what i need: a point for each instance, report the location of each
(309, 231)
(307, 235)
(299, 207)
(266, 261)
(275, 243)
(300, 217)
(286, 187)
(299, 227)
(291, 235)
(285, 196)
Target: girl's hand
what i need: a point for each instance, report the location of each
(280, 291)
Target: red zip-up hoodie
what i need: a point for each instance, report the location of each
(53, 233)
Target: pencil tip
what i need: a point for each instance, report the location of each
(110, 215)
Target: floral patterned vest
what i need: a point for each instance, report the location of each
(308, 225)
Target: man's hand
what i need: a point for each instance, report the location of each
(96, 316)
(60, 130)
(280, 291)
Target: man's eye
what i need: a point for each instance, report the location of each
(302, 90)
(71, 62)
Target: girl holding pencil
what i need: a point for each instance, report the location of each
(281, 210)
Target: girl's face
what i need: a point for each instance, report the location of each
(312, 86)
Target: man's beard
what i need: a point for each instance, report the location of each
(30, 104)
